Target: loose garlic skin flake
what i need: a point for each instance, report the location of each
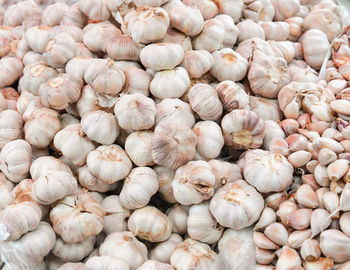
(109, 163)
(11, 123)
(236, 205)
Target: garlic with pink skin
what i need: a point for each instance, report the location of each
(299, 219)
(262, 241)
(232, 96)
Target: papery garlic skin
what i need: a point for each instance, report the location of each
(236, 205)
(90, 182)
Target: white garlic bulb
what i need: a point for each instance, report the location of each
(52, 14)
(105, 262)
(236, 205)
(11, 123)
(139, 149)
(95, 10)
(136, 81)
(73, 252)
(37, 38)
(212, 36)
(165, 178)
(248, 29)
(232, 96)
(178, 215)
(224, 172)
(90, 182)
(42, 165)
(123, 47)
(163, 250)
(197, 62)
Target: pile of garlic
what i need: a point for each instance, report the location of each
(168, 134)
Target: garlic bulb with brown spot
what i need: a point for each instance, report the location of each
(173, 144)
(90, 182)
(197, 62)
(232, 96)
(11, 123)
(212, 36)
(335, 244)
(192, 254)
(236, 205)
(163, 250)
(52, 14)
(73, 144)
(105, 262)
(125, 246)
(193, 183)
(229, 65)
(77, 217)
(135, 112)
(73, 252)
(109, 163)
(160, 56)
(209, 139)
(139, 186)
(243, 129)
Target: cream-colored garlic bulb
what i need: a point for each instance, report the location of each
(150, 224)
(11, 123)
(37, 38)
(18, 219)
(197, 62)
(42, 165)
(75, 32)
(205, 102)
(248, 29)
(231, 30)
(52, 14)
(100, 126)
(285, 9)
(247, 47)
(115, 215)
(41, 127)
(202, 226)
(266, 171)
(193, 183)
(165, 177)
(73, 252)
(15, 160)
(125, 246)
(259, 10)
(224, 172)
(335, 244)
(146, 24)
(109, 163)
(139, 186)
(278, 31)
(212, 36)
(232, 96)
(268, 109)
(89, 101)
(26, 13)
(173, 144)
(267, 74)
(10, 69)
(74, 16)
(67, 119)
(236, 205)
(192, 254)
(123, 47)
(139, 148)
(78, 65)
(209, 139)
(135, 112)
(163, 250)
(73, 144)
(160, 56)
(105, 262)
(228, 65)
(207, 8)
(95, 10)
(174, 110)
(87, 180)
(77, 217)
(136, 81)
(178, 215)
(243, 129)
(155, 265)
(315, 46)
(53, 186)
(175, 36)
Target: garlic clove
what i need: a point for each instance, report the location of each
(344, 222)
(267, 217)
(306, 196)
(320, 220)
(288, 257)
(335, 244)
(310, 250)
(321, 263)
(299, 158)
(263, 242)
(297, 238)
(330, 201)
(337, 169)
(299, 219)
(264, 256)
(277, 233)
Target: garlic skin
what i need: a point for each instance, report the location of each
(109, 163)
(73, 252)
(232, 96)
(105, 262)
(178, 215)
(165, 177)
(135, 112)
(334, 243)
(197, 62)
(125, 246)
(6, 192)
(90, 182)
(73, 144)
(243, 129)
(18, 219)
(163, 250)
(139, 186)
(248, 29)
(173, 144)
(192, 254)
(193, 183)
(160, 56)
(229, 65)
(205, 102)
(52, 14)
(11, 123)
(212, 36)
(236, 205)
(77, 217)
(202, 226)
(3, 103)
(100, 126)
(150, 224)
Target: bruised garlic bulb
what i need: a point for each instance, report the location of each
(105, 262)
(232, 96)
(41, 127)
(11, 123)
(87, 180)
(77, 217)
(228, 65)
(139, 148)
(109, 163)
(173, 144)
(192, 254)
(100, 126)
(236, 205)
(193, 183)
(73, 252)
(125, 246)
(135, 112)
(243, 129)
(139, 186)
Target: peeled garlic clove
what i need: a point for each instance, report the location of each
(236, 205)
(299, 158)
(162, 251)
(278, 146)
(321, 175)
(306, 196)
(299, 219)
(335, 244)
(297, 142)
(297, 238)
(262, 241)
(275, 199)
(337, 169)
(105, 262)
(277, 233)
(288, 257)
(344, 222)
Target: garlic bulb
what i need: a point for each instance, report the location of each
(136, 81)
(73, 252)
(193, 183)
(178, 215)
(192, 254)
(77, 217)
(139, 186)
(173, 144)
(224, 172)
(139, 149)
(11, 123)
(165, 177)
(100, 126)
(212, 36)
(135, 112)
(285, 9)
(202, 226)
(52, 14)
(123, 47)
(232, 96)
(105, 262)
(248, 29)
(163, 250)
(228, 65)
(175, 36)
(37, 38)
(243, 129)
(26, 13)
(42, 165)
(125, 246)
(334, 244)
(236, 205)
(151, 264)
(278, 31)
(90, 182)
(197, 62)
(95, 10)
(109, 163)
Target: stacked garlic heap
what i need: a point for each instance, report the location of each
(168, 134)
